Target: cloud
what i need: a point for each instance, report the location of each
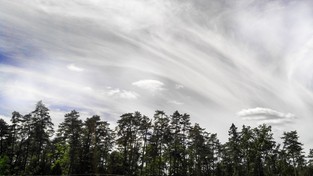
(175, 102)
(73, 67)
(150, 85)
(229, 55)
(179, 86)
(124, 94)
(265, 115)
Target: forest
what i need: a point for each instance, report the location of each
(139, 145)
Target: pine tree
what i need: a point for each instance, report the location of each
(310, 158)
(158, 144)
(15, 137)
(164, 145)
(213, 147)
(90, 155)
(196, 150)
(69, 135)
(145, 134)
(4, 135)
(247, 146)
(175, 157)
(104, 144)
(42, 130)
(24, 150)
(263, 149)
(4, 144)
(233, 150)
(293, 150)
(128, 140)
(310, 163)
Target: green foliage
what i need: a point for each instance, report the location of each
(4, 165)
(69, 133)
(164, 145)
(293, 152)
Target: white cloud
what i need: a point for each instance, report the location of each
(175, 102)
(266, 115)
(124, 94)
(73, 67)
(150, 85)
(227, 55)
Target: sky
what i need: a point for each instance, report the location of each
(221, 61)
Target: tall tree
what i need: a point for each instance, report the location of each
(247, 146)
(213, 149)
(263, 147)
(196, 150)
(186, 126)
(233, 149)
(310, 158)
(24, 150)
(69, 133)
(104, 145)
(175, 148)
(293, 150)
(158, 144)
(128, 140)
(4, 144)
(97, 143)
(14, 140)
(145, 134)
(310, 163)
(42, 130)
(4, 134)
(90, 154)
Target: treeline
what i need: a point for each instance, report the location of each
(139, 145)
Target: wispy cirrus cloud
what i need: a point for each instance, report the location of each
(228, 55)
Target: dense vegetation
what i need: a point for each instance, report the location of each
(163, 145)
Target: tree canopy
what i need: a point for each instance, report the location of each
(139, 145)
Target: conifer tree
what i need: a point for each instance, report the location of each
(293, 151)
(69, 135)
(233, 150)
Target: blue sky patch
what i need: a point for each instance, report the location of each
(65, 108)
(8, 58)
(3, 57)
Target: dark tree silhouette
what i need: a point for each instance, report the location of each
(164, 145)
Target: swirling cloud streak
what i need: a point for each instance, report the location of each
(207, 58)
